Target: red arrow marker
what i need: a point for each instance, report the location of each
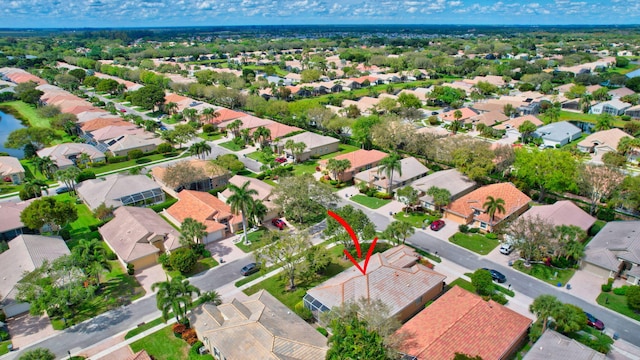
(354, 238)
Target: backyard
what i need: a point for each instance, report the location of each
(370, 202)
(475, 242)
(163, 345)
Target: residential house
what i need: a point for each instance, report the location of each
(100, 122)
(555, 346)
(226, 116)
(558, 133)
(572, 105)
(462, 322)
(360, 160)
(633, 111)
(615, 252)
(123, 144)
(450, 116)
(215, 214)
(394, 277)
(469, 209)
(412, 170)
(68, 154)
(138, 236)
(316, 145)
(452, 180)
(279, 130)
(11, 170)
(602, 141)
(512, 126)
(260, 327)
(11, 225)
(25, 254)
(214, 177)
(620, 92)
(560, 213)
(248, 122)
(612, 107)
(19, 76)
(489, 118)
(120, 190)
(264, 193)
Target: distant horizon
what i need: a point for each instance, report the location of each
(100, 14)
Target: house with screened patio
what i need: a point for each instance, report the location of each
(120, 190)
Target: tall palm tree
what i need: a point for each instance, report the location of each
(545, 306)
(399, 231)
(390, 165)
(492, 206)
(175, 295)
(200, 148)
(240, 200)
(192, 232)
(45, 165)
(338, 167)
(190, 114)
(92, 257)
(257, 212)
(604, 122)
(234, 127)
(246, 136)
(455, 126)
(261, 135)
(35, 187)
(171, 108)
(210, 114)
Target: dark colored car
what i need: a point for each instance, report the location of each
(437, 225)
(281, 160)
(278, 223)
(593, 322)
(62, 190)
(249, 269)
(496, 275)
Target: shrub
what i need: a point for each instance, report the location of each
(474, 230)
(492, 236)
(164, 260)
(621, 290)
(383, 195)
(303, 312)
(606, 214)
(135, 154)
(24, 195)
(195, 348)
(463, 228)
(183, 260)
(605, 287)
(633, 297)
(209, 128)
(178, 328)
(595, 229)
(112, 256)
(4, 335)
(65, 234)
(117, 159)
(499, 298)
(130, 269)
(85, 175)
(164, 148)
(97, 164)
(322, 331)
(190, 336)
(198, 249)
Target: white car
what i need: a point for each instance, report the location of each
(506, 248)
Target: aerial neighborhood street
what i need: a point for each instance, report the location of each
(166, 194)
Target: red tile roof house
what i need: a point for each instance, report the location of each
(468, 210)
(467, 114)
(360, 160)
(207, 209)
(462, 322)
(394, 277)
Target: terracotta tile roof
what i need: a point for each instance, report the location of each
(489, 118)
(203, 207)
(280, 130)
(359, 158)
(514, 199)
(174, 98)
(99, 123)
(226, 115)
(605, 138)
(466, 114)
(516, 122)
(460, 321)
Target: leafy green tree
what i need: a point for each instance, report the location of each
(483, 282)
(390, 165)
(257, 212)
(192, 232)
(183, 133)
(183, 260)
(107, 85)
(441, 197)
(302, 197)
(39, 137)
(229, 162)
(68, 177)
(286, 250)
(492, 206)
(531, 236)
(200, 149)
(175, 296)
(398, 231)
(552, 114)
(31, 96)
(361, 130)
(553, 170)
(544, 307)
(79, 74)
(598, 182)
(317, 259)
(148, 97)
(49, 111)
(182, 174)
(633, 297)
(91, 256)
(359, 222)
(409, 101)
(33, 188)
(48, 211)
(569, 318)
(45, 165)
(240, 200)
(409, 196)
(622, 62)
(526, 129)
(38, 354)
(604, 122)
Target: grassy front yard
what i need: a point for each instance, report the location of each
(142, 328)
(416, 219)
(163, 345)
(211, 137)
(260, 157)
(307, 167)
(474, 242)
(256, 241)
(3, 347)
(80, 229)
(203, 264)
(617, 303)
(370, 202)
(545, 273)
(231, 146)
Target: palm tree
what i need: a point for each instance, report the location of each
(552, 113)
(545, 306)
(92, 257)
(35, 187)
(83, 159)
(261, 135)
(455, 126)
(457, 115)
(246, 136)
(604, 122)
(175, 295)
(210, 114)
(399, 231)
(192, 232)
(493, 205)
(441, 197)
(200, 148)
(171, 108)
(240, 200)
(45, 165)
(234, 127)
(338, 167)
(389, 166)
(68, 176)
(190, 114)
(257, 212)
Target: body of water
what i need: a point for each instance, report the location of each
(9, 123)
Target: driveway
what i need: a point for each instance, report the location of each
(26, 329)
(149, 276)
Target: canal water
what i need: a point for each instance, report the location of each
(9, 123)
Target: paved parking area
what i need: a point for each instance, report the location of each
(149, 276)
(226, 250)
(26, 329)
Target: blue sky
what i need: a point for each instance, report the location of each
(140, 13)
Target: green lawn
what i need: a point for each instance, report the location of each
(256, 241)
(592, 118)
(231, 146)
(260, 156)
(342, 149)
(141, 162)
(416, 219)
(29, 112)
(3, 347)
(370, 202)
(475, 242)
(307, 167)
(142, 328)
(203, 264)
(545, 273)
(79, 229)
(617, 303)
(211, 137)
(163, 345)
(467, 285)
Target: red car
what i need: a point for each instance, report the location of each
(281, 160)
(123, 110)
(278, 223)
(437, 225)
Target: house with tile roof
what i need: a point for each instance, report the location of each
(633, 111)
(100, 122)
(615, 252)
(120, 190)
(19, 76)
(462, 322)
(563, 212)
(68, 154)
(394, 277)
(264, 193)
(555, 346)
(25, 254)
(279, 130)
(512, 125)
(214, 177)
(620, 92)
(468, 209)
(316, 145)
(123, 144)
(260, 327)
(449, 116)
(215, 214)
(11, 225)
(360, 160)
(489, 118)
(452, 180)
(11, 169)
(602, 141)
(412, 170)
(138, 236)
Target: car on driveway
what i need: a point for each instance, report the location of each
(278, 223)
(62, 190)
(437, 225)
(281, 160)
(506, 248)
(496, 275)
(249, 269)
(593, 322)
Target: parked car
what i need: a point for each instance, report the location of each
(62, 190)
(281, 160)
(123, 110)
(593, 322)
(250, 269)
(278, 223)
(496, 275)
(437, 225)
(506, 248)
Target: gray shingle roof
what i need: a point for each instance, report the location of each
(451, 179)
(558, 131)
(554, 346)
(113, 187)
(617, 239)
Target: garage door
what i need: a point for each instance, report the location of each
(16, 309)
(213, 236)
